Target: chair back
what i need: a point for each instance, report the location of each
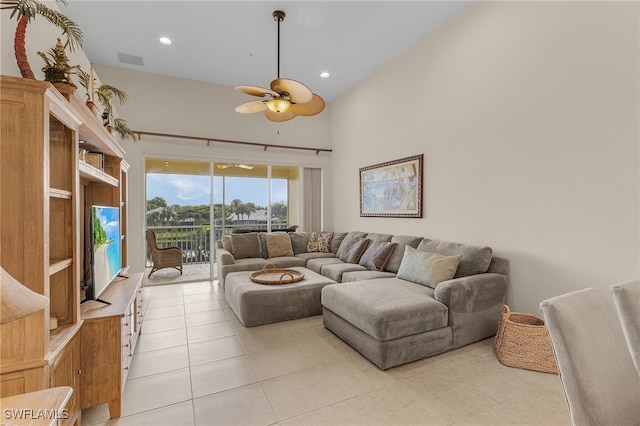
(598, 376)
(151, 241)
(626, 297)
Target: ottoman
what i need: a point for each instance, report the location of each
(257, 304)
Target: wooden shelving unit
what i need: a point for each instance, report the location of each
(44, 194)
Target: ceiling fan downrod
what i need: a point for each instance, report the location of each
(278, 15)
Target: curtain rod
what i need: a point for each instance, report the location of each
(209, 140)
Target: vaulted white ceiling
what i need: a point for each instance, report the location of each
(235, 42)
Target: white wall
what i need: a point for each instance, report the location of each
(528, 116)
(163, 104)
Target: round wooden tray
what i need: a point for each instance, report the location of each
(274, 276)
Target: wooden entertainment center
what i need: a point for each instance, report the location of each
(46, 195)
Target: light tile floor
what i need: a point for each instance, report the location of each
(195, 364)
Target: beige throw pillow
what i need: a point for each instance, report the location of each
(278, 245)
(426, 268)
(245, 245)
(320, 242)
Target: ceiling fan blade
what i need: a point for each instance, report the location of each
(251, 107)
(256, 91)
(313, 107)
(223, 166)
(279, 116)
(244, 166)
(298, 92)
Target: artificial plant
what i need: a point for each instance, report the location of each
(25, 11)
(57, 68)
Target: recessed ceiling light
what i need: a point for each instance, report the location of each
(324, 74)
(165, 40)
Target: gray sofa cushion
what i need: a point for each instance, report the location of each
(345, 241)
(353, 249)
(299, 241)
(315, 255)
(475, 259)
(372, 306)
(351, 276)
(226, 243)
(245, 245)
(337, 239)
(335, 270)
(377, 255)
(379, 237)
(287, 261)
(316, 264)
(402, 241)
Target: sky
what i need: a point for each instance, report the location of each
(189, 190)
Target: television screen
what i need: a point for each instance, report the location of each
(105, 248)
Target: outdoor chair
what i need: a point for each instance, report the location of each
(167, 257)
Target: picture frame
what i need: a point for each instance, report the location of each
(392, 189)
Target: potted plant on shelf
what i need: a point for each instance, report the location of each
(87, 81)
(25, 11)
(122, 129)
(57, 69)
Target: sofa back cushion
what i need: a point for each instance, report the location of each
(379, 237)
(245, 245)
(475, 259)
(377, 255)
(337, 239)
(426, 268)
(299, 241)
(402, 241)
(226, 243)
(350, 235)
(278, 244)
(353, 249)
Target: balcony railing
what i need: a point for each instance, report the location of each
(194, 240)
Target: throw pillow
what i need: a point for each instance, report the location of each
(279, 245)
(245, 245)
(377, 255)
(320, 242)
(353, 249)
(428, 269)
(299, 241)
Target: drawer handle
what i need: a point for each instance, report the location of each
(78, 371)
(126, 324)
(125, 346)
(126, 368)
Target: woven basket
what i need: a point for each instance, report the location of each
(522, 341)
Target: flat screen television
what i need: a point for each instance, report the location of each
(106, 259)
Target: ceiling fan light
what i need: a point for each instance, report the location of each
(278, 105)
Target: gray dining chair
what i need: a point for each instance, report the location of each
(626, 297)
(598, 376)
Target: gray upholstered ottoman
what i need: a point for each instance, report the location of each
(256, 304)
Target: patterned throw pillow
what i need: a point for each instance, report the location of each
(320, 242)
(428, 269)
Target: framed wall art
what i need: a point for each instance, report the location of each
(392, 189)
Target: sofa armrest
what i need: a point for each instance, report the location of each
(475, 305)
(472, 293)
(224, 257)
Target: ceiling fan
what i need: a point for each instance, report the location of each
(286, 99)
(236, 165)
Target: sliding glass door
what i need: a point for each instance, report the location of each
(192, 204)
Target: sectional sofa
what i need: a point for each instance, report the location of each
(396, 298)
